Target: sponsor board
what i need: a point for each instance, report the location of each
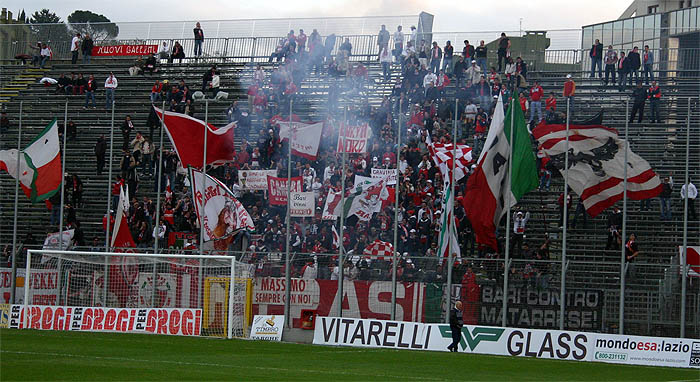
(267, 328)
(536, 343)
(124, 50)
(389, 173)
(642, 350)
(302, 204)
(540, 309)
(180, 322)
(254, 180)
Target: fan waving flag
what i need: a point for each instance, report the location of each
(447, 241)
(222, 215)
(121, 236)
(597, 165)
(379, 250)
(442, 153)
(305, 137)
(485, 196)
(187, 136)
(39, 165)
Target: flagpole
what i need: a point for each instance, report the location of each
(342, 214)
(109, 181)
(448, 221)
(159, 171)
(623, 263)
(684, 254)
(562, 286)
(204, 172)
(63, 181)
(13, 283)
(504, 307)
(396, 217)
(287, 260)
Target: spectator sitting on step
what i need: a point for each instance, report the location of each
(46, 55)
(150, 65)
(156, 90)
(178, 53)
(137, 68)
(71, 131)
(36, 53)
(164, 52)
(63, 84)
(79, 85)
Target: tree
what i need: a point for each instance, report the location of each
(97, 26)
(49, 27)
(22, 17)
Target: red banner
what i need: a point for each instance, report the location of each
(362, 299)
(124, 50)
(355, 138)
(277, 189)
(179, 322)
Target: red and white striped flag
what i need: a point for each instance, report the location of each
(597, 165)
(442, 153)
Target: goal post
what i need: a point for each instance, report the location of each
(136, 292)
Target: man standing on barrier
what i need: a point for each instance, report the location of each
(456, 323)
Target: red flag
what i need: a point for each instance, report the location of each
(121, 235)
(187, 136)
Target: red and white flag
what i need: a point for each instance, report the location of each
(442, 153)
(306, 137)
(121, 235)
(277, 189)
(597, 165)
(331, 206)
(379, 250)
(39, 165)
(187, 136)
(336, 238)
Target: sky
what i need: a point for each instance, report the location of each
(450, 16)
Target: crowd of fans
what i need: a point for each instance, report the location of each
(436, 89)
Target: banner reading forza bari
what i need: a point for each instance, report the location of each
(180, 322)
(537, 343)
(540, 309)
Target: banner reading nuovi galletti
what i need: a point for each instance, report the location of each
(550, 344)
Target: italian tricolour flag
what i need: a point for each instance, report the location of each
(487, 187)
(39, 165)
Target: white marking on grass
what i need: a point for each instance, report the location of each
(330, 372)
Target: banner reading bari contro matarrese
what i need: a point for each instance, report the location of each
(516, 342)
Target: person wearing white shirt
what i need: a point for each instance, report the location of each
(164, 52)
(473, 74)
(691, 194)
(45, 55)
(316, 187)
(398, 43)
(110, 88)
(75, 48)
(429, 78)
(409, 51)
(328, 172)
(413, 37)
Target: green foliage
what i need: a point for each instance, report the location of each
(52, 30)
(96, 25)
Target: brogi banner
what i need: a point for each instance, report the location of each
(277, 188)
(124, 50)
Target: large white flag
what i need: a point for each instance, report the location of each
(365, 199)
(218, 211)
(332, 202)
(305, 137)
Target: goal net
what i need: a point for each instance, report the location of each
(133, 292)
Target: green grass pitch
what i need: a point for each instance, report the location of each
(46, 355)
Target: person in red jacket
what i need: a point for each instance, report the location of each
(570, 91)
(550, 106)
(536, 94)
(654, 95)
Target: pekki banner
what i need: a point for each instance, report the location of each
(277, 189)
(513, 342)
